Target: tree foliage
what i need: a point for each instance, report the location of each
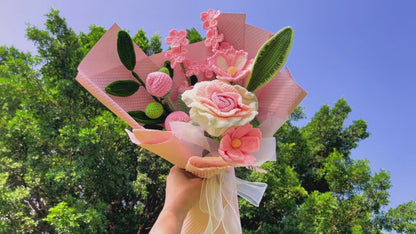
(149, 47)
(67, 166)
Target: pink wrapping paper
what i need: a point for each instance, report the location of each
(102, 66)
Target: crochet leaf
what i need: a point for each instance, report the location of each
(125, 50)
(122, 88)
(141, 117)
(181, 105)
(270, 59)
(167, 65)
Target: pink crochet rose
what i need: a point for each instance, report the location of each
(216, 105)
(158, 84)
(176, 116)
(238, 142)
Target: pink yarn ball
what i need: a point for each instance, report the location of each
(158, 84)
(176, 116)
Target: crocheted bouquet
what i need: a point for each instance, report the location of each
(207, 106)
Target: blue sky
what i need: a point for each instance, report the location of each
(363, 51)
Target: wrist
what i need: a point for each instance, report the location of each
(176, 211)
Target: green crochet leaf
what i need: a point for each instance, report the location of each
(181, 105)
(122, 88)
(141, 117)
(167, 65)
(255, 122)
(270, 59)
(125, 50)
(153, 126)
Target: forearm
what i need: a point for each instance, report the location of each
(168, 222)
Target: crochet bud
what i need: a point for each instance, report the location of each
(176, 116)
(154, 110)
(158, 84)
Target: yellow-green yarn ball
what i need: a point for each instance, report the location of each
(154, 110)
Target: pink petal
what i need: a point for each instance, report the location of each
(240, 59)
(169, 40)
(225, 143)
(235, 154)
(173, 33)
(182, 33)
(229, 131)
(221, 62)
(250, 144)
(204, 16)
(241, 131)
(255, 132)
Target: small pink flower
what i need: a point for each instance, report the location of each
(225, 46)
(210, 18)
(191, 67)
(176, 116)
(177, 39)
(238, 142)
(176, 55)
(158, 84)
(231, 65)
(213, 39)
(206, 69)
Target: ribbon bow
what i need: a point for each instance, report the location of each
(221, 186)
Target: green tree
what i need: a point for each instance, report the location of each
(66, 163)
(194, 36)
(155, 46)
(141, 40)
(327, 191)
(149, 47)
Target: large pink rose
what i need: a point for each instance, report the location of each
(216, 105)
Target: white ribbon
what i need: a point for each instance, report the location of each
(251, 191)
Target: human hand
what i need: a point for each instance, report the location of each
(182, 192)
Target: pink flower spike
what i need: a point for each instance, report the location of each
(176, 116)
(158, 84)
(191, 67)
(238, 142)
(225, 46)
(176, 55)
(206, 69)
(177, 39)
(231, 65)
(213, 39)
(210, 18)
